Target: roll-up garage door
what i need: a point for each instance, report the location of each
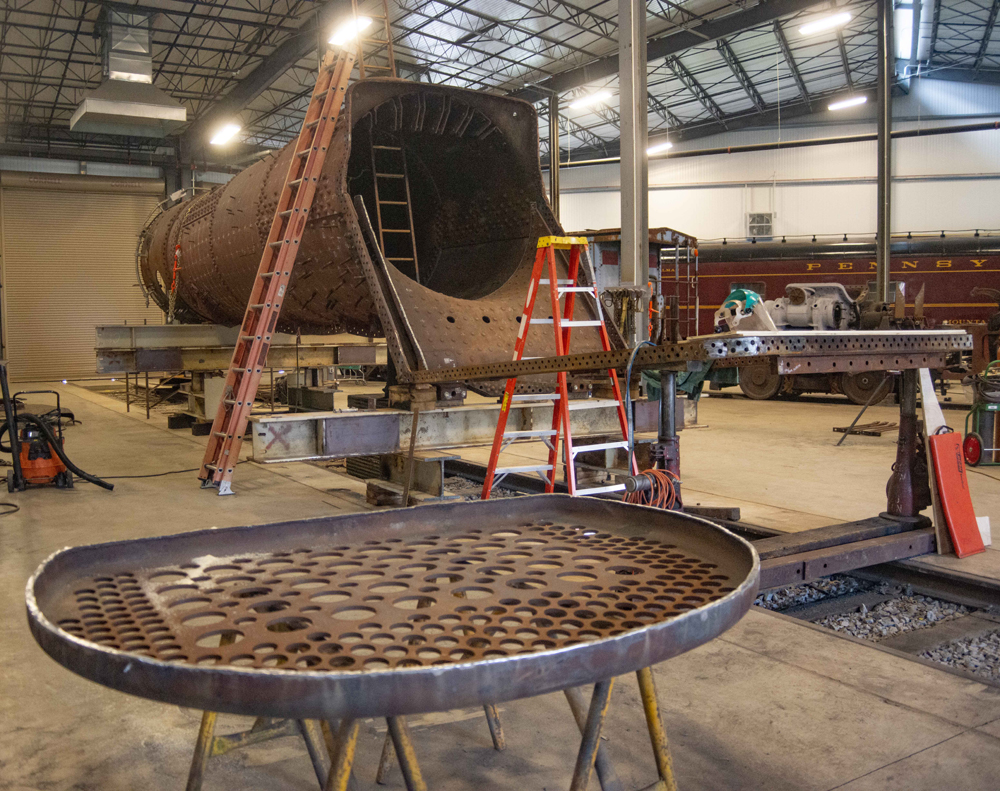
(68, 266)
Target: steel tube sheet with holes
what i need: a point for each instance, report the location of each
(393, 612)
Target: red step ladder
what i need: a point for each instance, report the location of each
(568, 288)
(276, 263)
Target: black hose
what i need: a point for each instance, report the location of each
(56, 445)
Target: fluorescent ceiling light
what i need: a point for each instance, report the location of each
(225, 134)
(903, 21)
(826, 23)
(659, 148)
(593, 98)
(349, 30)
(854, 101)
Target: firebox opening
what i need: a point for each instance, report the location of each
(433, 159)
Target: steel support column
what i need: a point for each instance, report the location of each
(915, 37)
(554, 153)
(883, 204)
(634, 165)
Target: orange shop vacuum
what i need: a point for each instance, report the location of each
(37, 444)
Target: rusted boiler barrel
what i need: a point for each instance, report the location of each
(478, 208)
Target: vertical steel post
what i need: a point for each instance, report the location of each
(915, 37)
(554, 154)
(632, 99)
(883, 205)
(902, 491)
(668, 446)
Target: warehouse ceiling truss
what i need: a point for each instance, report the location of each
(715, 65)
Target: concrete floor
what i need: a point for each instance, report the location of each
(771, 704)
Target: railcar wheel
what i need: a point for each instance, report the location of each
(759, 383)
(859, 387)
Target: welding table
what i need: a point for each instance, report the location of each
(394, 613)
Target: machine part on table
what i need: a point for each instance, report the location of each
(743, 310)
(164, 606)
(478, 208)
(760, 383)
(908, 490)
(817, 306)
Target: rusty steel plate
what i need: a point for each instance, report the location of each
(393, 612)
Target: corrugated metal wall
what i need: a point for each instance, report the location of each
(68, 246)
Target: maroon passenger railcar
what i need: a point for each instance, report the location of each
(948, 268)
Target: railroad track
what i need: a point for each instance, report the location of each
(941, 618)
(937, 611)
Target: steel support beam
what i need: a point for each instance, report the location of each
(554, 155)
(669, 44)
(883, 204)
(741, 75)
(659, 109)
(844, 61)
(935, 23)
(915, 35)
(687, 79)
(786, 52)
(984, 77)
(991, 22)
(633, 108)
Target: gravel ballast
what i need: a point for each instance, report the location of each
(894, 617)
(457, 485)
(980, 655)
(783, 598)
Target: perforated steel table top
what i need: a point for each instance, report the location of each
(393, 612)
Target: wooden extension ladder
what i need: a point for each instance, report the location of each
(276, 263)
(381, 21)
(393, 207)
(569, 287)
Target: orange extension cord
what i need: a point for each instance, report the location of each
(662, 492)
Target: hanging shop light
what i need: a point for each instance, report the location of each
(590, 100)
(225, 134)
(350, 30)
(853, 101)
(826, 23)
